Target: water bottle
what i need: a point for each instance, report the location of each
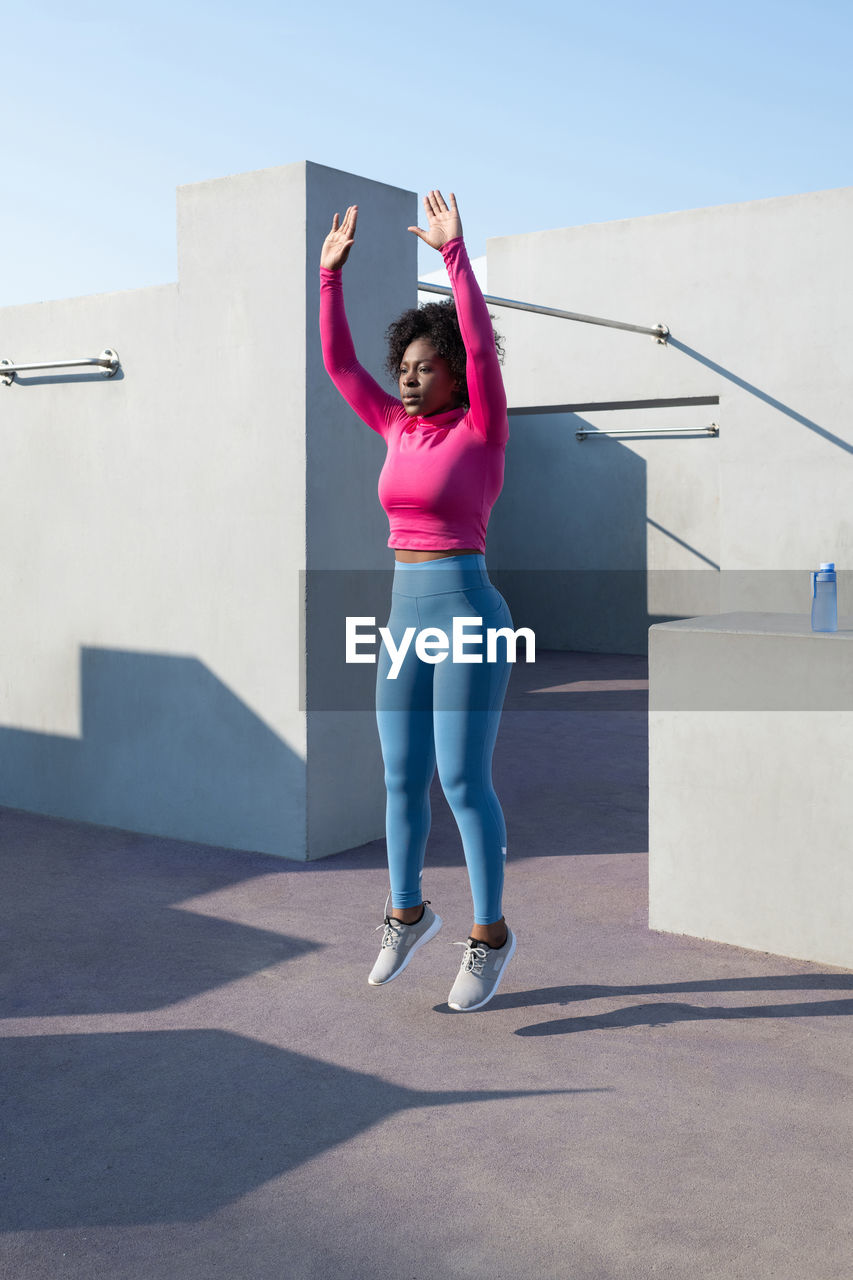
(824, 598)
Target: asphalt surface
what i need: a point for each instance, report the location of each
(198, 1083)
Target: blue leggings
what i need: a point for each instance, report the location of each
(445, 714)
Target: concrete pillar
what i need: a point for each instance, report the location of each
(165, 529)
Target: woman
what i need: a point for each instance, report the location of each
(443, 471)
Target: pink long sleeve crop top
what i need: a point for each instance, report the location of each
(442, 474)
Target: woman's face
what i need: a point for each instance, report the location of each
(426, 383)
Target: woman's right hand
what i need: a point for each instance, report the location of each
(339, 241)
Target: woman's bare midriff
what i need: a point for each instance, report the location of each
(410, 557)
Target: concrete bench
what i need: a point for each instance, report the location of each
(751, 783)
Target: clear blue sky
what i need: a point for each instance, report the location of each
(536, 113)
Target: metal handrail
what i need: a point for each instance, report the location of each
(660, 332)
(108, 358)
(712, 430)
(598, 406)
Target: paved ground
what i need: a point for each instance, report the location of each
(199, 1084)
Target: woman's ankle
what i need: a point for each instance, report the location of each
(408, 915)
(494, 934)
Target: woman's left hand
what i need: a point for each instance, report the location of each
(444, 224)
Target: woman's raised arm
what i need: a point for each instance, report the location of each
(362, 392)
(482, 370)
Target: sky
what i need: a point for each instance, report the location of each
(535, 113)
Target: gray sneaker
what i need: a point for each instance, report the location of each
(400, 942)
(480, 974)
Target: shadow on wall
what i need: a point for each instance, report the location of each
(581, 553)
(830, 436)
(167, 749)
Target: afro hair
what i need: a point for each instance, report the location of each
(436, 321)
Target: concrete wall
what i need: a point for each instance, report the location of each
(158, 526)
(748, 815)
(750, 802)
(182, 539)
(641, 529)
